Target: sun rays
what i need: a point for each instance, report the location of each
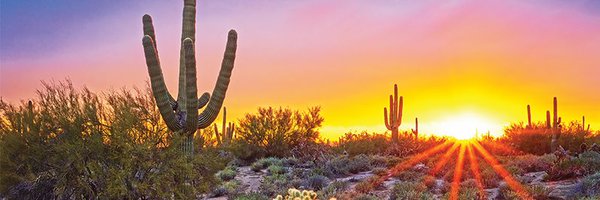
(466, 149)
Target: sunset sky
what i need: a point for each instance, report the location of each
(483, 60)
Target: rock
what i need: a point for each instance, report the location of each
(492, 193)
(566, 189)
(533, 177)
(420, 168)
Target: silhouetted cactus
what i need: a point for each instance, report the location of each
(555, 127)
(395, 116)
(529, 116)
(181, 115)
(227, 133)
(548, 123)
(415, 131)
(583, 124)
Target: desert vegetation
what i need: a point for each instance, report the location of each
(68, 143)
(74, 143)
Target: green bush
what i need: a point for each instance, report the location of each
(359, 163)
(591, 185)
(587, 163)
(333, 189)
(275, 132)
(72, 143)
(531, 163)
(276, 169)
(380, 171)
(316, 182)
(362, 143)
(410, 191)
(263, 163)
(227, 174)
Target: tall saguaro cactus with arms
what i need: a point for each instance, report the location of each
(393, 121)
(181, 115)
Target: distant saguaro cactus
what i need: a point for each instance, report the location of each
(548, 123)
(226, 135)
(415, 131)
(181, 115)
(529, 117)
(556, 129)
(393, 121)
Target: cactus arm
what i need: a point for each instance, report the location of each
(217, 137)
(555, 119)
(209, 114)
(396, 107)
(157, 82)
(188, 31)
(224, 129)
(400, 107)
(191, 87)
(203, 100)
(230, 131)
(149, 30)
(385, 118)
(391, 117)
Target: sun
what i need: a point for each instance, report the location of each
(463, 126)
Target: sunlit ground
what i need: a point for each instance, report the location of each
(462, 151)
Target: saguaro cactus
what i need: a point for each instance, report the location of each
(548, 123)
(227, 131)
(416, 130)
(395, 116)
(556, 129)
(181, 115)
(529, 117)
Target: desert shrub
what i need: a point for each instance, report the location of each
(263, 163)
(410, 190)
(275, 132)
(534, 191)
(227, 174)
(380, 171)
(379, 161)
(587, 163)
(536, 140)
(362, 143)
(336, 166)
(274, 184)
(333, 188)
(289, 162)
(591, 185)
(227, 188)
(251, 196)
(489, 177)
(409, 175)
(316, 182)
(359, 163)
(531, 163)
(78, 144)
(533, 140)
(363, 187)
(276, 169)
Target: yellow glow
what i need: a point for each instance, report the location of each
(463, 127)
